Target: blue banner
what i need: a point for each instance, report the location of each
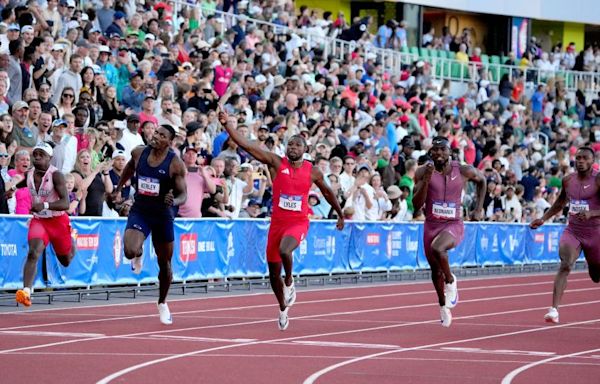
(206, 249)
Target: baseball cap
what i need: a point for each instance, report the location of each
(254, 202)
(102, 48)
(118, 153)
(45, 147)
(20, 105)
(119, 15)
(440, 141)
(149, 36)
(58, 122)
(133, 117)
(192, 127)
(27, 28)
(14, 27)
(95, 30)
(363, 167)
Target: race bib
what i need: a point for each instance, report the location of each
(290, 202)
(444, 210)
(577, 206)
(148, 186)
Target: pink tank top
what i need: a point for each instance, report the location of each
(444, 196)
(583, 196)
(46, 193)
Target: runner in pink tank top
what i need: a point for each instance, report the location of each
(292, 179)
(50, 223)
(438, 186)
(581, 190)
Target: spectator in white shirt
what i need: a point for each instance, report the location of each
(512, 206)
(131, 138)
(346, 178)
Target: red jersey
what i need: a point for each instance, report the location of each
(290, 191)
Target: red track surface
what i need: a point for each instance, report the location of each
(382, 334)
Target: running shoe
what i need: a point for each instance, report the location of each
(136, 265)
(289, 294)
(165, 314)
(23, 298)
(451, 292)
(446, 316)
(283, 319)
(551, 316)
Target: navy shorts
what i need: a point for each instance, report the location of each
(161, 226)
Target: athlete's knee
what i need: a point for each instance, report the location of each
(132, 251)
(34, 252)
(65, 260)
(565, 266)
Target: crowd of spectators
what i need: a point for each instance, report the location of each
(97, 82)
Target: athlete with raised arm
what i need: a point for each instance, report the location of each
(439, 185)
(292, 179)
(581, 190)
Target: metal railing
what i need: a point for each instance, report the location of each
(441, 68)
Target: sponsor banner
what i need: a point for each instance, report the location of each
(206, 249)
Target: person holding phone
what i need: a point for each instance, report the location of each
(198, 183)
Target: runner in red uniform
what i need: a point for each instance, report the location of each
(292, 179)
(439, 185)
(50, 223)
(582, 191)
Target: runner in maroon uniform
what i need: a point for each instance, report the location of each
(582, 191)
(292, 179)
(439, 186)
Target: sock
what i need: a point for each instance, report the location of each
(28, 290)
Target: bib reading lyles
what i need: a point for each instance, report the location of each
(148, 186)
(290, 202)
(444, 210)
(577, 206)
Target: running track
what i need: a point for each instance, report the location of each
(378, 333)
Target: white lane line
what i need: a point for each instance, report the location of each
(508, 378)
(300, 317)
(339, 344)
(205, 339)
(125, 371)
(369, 297)
(200, 311)
(302, 289)
(312, 378)
(51, 334)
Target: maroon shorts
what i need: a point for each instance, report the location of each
(279, 230)
(432, 229)
(55, 230)
(583, 239)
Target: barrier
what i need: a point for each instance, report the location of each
(207, 249)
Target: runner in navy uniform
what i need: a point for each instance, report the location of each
(160, 186)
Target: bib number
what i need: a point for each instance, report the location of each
(444, 210)
(290, 203)
(577, 206)
(148, 186)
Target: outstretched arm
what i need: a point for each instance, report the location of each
(259, 154)
(317, 178)
(473, 174)
(557, 207)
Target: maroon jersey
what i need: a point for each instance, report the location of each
(444, 196)
(583, 196)
(290, 191)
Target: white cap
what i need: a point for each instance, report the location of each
(58, 47)
(150, 36)
(103, 48)
(119, 153)
(260, 79)
(71, 3)
(43, 146)
(27, 28)
(72, 25)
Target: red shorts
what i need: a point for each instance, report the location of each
(432, 229)
(55, 230)
(583, 239)
(279, 230)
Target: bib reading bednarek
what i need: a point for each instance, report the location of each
(443, 210)
(577, 206)
(148, 186)
(290, 202)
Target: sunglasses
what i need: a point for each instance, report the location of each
(68, 95)
(4, 155)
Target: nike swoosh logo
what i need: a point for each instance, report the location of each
(452, 178)
(585, 186)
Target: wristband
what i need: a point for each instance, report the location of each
(46, 205)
